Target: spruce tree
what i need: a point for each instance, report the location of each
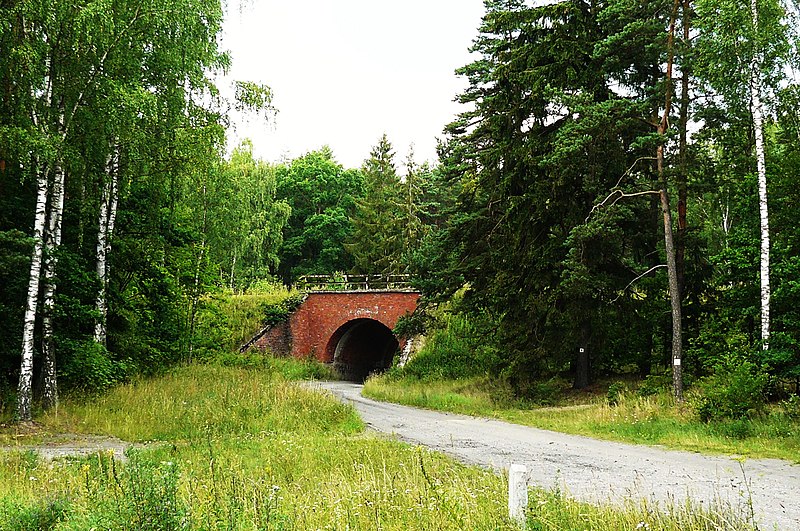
(377, 242)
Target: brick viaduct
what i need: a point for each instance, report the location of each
(350, 329)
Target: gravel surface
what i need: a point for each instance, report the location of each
(74, 445)
(592, 470)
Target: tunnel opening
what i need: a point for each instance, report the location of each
(361, 347)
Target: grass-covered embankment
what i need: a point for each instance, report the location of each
(244, 448)
(654, 420)
(234, 448)
(450, 374)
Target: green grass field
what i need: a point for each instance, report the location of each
(654, 420)
(231, 447)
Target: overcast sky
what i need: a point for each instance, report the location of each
(344, 72)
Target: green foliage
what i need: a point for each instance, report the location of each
(456, 349)
(278, 313)
(226, 321)
(734, 392)
(654, 384)
(91, 368)
(244, 220)
(551, 135)
(15, 249)
(377, 243)
(41, 515)
(322, 196)
(615, 392)
(791, 407)
(411, 325)
(253, 97)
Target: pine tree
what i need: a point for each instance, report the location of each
(377, 242)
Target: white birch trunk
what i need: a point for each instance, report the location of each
(233, 272)
(108, 214)
(758, 126)
(25, 390)
(52, 243)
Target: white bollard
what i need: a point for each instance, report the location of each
(517, 493)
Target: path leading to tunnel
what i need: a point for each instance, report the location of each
(592, 470)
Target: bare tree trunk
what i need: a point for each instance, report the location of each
(683, 174)
(758, 126)
(108, 214)
(52, 243)
(669, 244)
(582, 359)
(25, 390)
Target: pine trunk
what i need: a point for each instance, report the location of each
(758, 126)
(674, 294)
(669, 243)
(683, 174)
(25, 390)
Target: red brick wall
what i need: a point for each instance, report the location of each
(278, 340)
(312, 325)
(318, 318)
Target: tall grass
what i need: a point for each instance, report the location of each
(243, 448)
(225, 321)
(654, 419)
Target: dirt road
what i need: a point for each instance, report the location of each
(592, 470)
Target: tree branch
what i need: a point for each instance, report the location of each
(619, 195)
(632, 282)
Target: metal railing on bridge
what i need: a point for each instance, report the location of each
(355, 283)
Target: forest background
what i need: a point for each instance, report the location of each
(619, 195)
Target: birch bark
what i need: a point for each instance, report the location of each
(52, 242)
(24, 389)
(108, 214)
(758, 126)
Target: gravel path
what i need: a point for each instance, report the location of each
(592, 470)
(74, 445)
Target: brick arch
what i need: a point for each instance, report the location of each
(361, 347)
(318, 325)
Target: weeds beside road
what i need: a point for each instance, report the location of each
(244, 448)
(652, 420)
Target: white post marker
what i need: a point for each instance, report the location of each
(517, 493)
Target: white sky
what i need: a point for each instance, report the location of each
(344, 72)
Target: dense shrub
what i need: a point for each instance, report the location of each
(225, 321)
(457, 349)
(39, 515)
(91, 368)
(654, 384)
(733, 392)
(615, 392)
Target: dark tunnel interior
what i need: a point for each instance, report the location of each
(362, 347)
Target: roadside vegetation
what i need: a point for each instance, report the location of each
(724, 413)
(245, 447)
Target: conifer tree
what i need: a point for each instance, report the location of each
(377, 242)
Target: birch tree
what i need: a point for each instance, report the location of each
(761, 168)
(106, 221)
(743, 53)
(78, 56)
